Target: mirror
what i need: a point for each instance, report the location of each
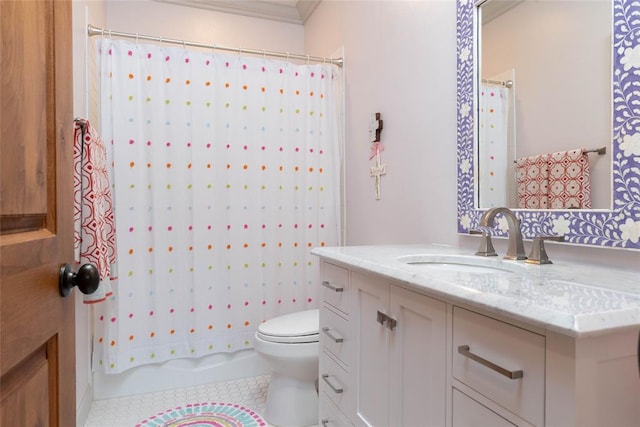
(618, 226)
(537, 82)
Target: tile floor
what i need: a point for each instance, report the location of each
(129, 411)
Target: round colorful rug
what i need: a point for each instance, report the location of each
(206, 415)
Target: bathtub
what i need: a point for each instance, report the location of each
(179, 373)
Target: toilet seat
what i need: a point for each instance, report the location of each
(293, 328)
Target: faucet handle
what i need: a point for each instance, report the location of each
(538, 254)
(486, 246)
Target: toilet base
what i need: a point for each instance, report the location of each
(291, 402)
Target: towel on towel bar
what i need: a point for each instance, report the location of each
(569, 181)
(93, 218)
(554, 181)
(532, 179)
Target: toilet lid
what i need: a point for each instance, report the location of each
(298, 327)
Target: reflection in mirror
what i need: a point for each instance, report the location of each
(545, 87)
(618, 226)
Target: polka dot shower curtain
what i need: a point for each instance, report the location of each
(226, 173)
(494, 150)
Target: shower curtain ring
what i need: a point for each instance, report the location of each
(110, 34)
(307, 59)
(264, 55)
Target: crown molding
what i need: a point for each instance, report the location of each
(306, 8)
(293, 12)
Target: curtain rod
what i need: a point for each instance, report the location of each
(97, 31)
(506, 84)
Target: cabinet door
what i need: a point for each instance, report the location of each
(417, 360)
(370, 366)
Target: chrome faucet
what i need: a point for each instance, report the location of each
(516, 246)
(486, 246)
(538, 254)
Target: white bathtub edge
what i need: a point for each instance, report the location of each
(179, 373)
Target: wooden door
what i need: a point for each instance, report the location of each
(37, 354)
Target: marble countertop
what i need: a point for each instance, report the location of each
(572, 299)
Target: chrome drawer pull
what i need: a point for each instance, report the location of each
(336, 390)
(381, 317)
(514, 375)
(334, 338)
(391, 323)
(328, 285)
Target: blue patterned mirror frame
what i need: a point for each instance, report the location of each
(617, 228)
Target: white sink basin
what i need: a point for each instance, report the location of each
(461, 263)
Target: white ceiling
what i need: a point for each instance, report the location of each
(291, 11)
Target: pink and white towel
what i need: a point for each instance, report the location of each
(93, 218)
(554, 181)
(569, 182)
(532, 178)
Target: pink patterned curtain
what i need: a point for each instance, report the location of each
(226, 174)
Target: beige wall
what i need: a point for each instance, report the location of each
(186, 23)
(400, 62)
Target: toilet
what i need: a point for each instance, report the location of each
(289, 343)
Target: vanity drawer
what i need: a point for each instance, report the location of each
(468, 412)
(329, 415)
(335, 286)
(487, 351)
(334, 335)
(334, 382)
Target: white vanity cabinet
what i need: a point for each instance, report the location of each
(419, 351)
(398, 355)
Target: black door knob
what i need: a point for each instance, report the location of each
(86, 279)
